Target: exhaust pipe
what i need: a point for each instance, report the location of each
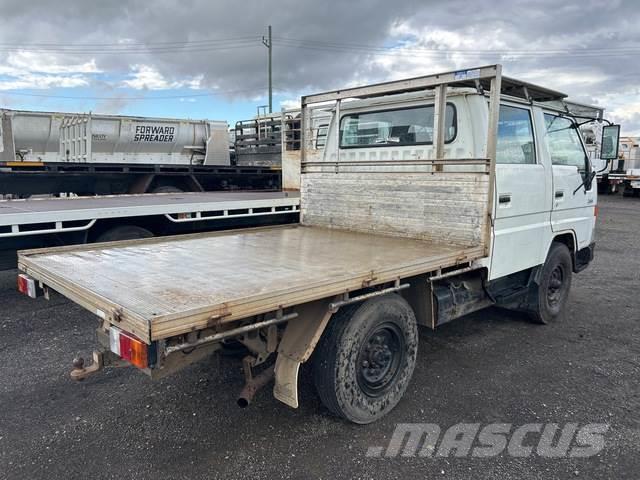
(252, 386)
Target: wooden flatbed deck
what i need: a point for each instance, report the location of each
(162, 287)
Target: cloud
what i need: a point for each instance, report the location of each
(34, 62)
(290, 104)
(30, 70)
(586, 48)
(42, 82)
(147, 77)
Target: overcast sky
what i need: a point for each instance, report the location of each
(205, 59)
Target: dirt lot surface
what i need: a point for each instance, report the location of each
(492, 366)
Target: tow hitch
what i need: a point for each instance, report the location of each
(101, 359)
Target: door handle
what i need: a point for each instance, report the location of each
(559, 194)
(502, 199)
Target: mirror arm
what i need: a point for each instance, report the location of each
(586, 183)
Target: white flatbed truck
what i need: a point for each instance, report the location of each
(38, 223)
(433, 197)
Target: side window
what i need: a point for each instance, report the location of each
(407, 126)
(321, 138)
(564, 143)
(515, 136)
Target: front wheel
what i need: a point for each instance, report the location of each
(555, 283)
(366, 358)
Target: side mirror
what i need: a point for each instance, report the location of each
(610, 141)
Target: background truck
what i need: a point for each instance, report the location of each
(91, 154)
(38, 223)
(433, 197)
(263, 140)
(628, 166)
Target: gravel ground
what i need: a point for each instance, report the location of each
(492, 366)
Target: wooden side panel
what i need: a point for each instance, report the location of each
(445, 207)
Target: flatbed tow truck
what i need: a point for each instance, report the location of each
(433, 197)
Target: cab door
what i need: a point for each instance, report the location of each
(573, 204)
(521, 204)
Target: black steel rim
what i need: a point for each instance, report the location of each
(556, 285)
(380, 359)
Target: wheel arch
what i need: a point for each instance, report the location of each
(567, 238)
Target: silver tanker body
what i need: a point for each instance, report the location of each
(92, 138)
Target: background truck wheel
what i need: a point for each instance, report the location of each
(124, 232)
(555, 284)
(167, 189)
(366, 357)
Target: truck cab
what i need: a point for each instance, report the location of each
(542, 190)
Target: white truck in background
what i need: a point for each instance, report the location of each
(433, 197)
(629, 166)
(617, 166)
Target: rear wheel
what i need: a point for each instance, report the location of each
(629, 191)
(366, 358)
(555, 284)
(124, 232)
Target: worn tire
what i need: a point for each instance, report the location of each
(124, 232)
(352, 339)
(555, 284)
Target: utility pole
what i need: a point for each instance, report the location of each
(269, 44)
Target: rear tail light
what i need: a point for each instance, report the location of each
(129, 347)
(596, 211)
(27, 285)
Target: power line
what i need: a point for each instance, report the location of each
(126, 44)
(401, 50)
(134, 48)
(451, 50)
(247, 41)
(164, 97)
(190, 49)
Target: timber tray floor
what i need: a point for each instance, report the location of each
(171, 285)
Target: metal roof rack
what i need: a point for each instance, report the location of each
(529, 91)
(478, 77)
(578, 110)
